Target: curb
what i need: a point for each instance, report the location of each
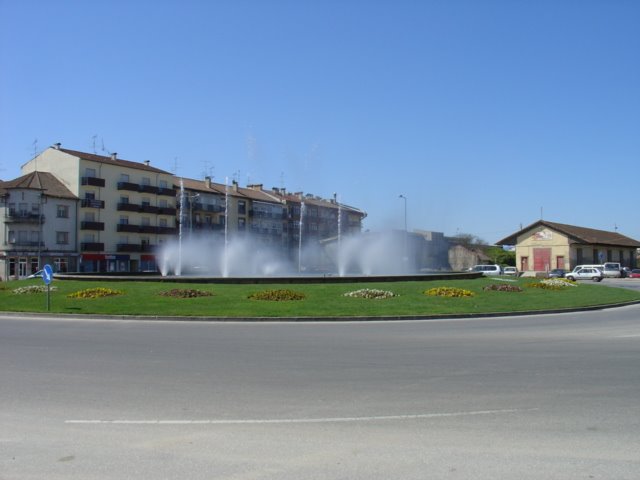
(465, 316)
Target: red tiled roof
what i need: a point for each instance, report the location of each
(119, 162)
(579, 235)
(45, 181)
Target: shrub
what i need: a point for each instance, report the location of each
(185, 293)
(277, 295)
(370, 293)
(502, 288)
(95, 293)
(449, 292)
(33, 289)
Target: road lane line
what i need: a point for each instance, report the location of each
(297, 420)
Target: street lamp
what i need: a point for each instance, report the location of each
(406, 233)
(191, 197)
(405, 210)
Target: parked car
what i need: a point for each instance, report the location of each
(510, 271)
(578, 267)
(556, 273)
(635, 273)
(587, 273)
(488, 270)
(612, 270)
(626, 271)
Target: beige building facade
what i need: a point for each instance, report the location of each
(544, 246)
(126, 209)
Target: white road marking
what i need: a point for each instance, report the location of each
(297, 420)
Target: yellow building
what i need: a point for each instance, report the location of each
(544, 246)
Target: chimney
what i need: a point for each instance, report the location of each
(256, 186)
(207, 182)
(114, 156)
(234, 183)
(57, 145)
(277, 190)
(147, 162)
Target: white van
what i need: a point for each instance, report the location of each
(612, 270)
(488, 270)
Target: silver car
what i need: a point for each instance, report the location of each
(586, 273)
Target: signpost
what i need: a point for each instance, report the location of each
(47, 277)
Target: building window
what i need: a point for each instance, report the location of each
(124, 200)
(163, 222)
(63, 211)
(124, 220)
(89, 217)
(162, 203)
(242, 207)
(146, 202)
(124, 177)
(241, 224)
(62, 238)
(146, 181)
(12, 236)
(163, 184)
(60, 264)
(90, 172)
(145, 221)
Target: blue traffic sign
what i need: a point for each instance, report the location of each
(47, 274)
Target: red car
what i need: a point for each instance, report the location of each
(635, 273)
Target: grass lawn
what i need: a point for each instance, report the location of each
(322, 300)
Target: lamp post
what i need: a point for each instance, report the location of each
(192, 197)
(406, 233)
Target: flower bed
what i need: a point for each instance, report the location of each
(451, 292)
(553, 284)
(98, 292)
(185, 293)
(502, 288)
(277, 295)
(370, 293)
(33, 289)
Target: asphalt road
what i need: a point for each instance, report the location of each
(553, 396)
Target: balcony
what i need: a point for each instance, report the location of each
(129, 247)
(132, 187)
(166, 211)
(23, 217)
(148, 229)
(147, 189)
(167, 230)
(148, 209)
(91, 203)
(25, 244)
(92, 181)
(91, 225)
(125, 227)
(92, 247)
(169, 192)
(147, 247)
(128, 207)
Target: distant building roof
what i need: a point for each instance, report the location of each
(113, 161)
(47, 182)
(580, 235)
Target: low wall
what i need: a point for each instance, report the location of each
(273, 280)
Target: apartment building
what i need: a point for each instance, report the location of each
(121, 211)
(126, 209)
(38, 225)
(273, 216)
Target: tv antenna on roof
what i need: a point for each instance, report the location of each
(103, 148)
(174, 169)
(94, 144)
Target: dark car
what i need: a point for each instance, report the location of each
(557, 273)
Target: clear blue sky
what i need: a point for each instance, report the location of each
(482, 113)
